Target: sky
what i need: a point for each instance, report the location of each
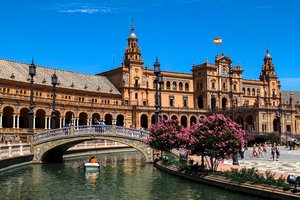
(89, 36)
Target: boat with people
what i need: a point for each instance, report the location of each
(91, 165)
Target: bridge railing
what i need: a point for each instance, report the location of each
(90, 130)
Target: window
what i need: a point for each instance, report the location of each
(253, 92)
(248, 91)
(234, 87)
(186, 87)
(224, 86)
(185, 101)
(136, 95)
(171, 101)
(144, 103)
(126, 102)
(213, 85)
(168, 85)
(244, 90)
(174, 86)
(154, 84)
(136, 83)
(180, 86)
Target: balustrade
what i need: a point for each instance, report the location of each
(90, 130)
(14, 150)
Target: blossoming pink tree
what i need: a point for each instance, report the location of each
(216, 137)
(167, 135)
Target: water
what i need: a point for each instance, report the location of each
(125, 176)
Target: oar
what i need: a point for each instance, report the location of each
(101, 165)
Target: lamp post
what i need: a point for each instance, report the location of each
(213, 102)
(246, 138)
(278, 116)
(156, 81)
(32, 73)
(54, 80)
(286, 132)
(235, 158)
(160, 82)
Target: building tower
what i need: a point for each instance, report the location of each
(271, 84)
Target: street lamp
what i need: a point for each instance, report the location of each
(32, 73)
(278, 116)
(235, 158)
(160, 82)
(156, 81)
(213, 103)
(54, 80)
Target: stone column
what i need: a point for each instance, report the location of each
(49, 122)
(63, 122)
(0, 120)
(46, 122)
(14, 121)
(33, 121)
(18, 121)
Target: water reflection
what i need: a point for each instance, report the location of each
(125, 176)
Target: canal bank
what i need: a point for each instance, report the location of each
(262, 191)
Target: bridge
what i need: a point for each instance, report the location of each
(50, 146)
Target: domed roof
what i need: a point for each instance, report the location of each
(268, 55)
(132, 34)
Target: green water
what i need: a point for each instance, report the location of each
(125, 176)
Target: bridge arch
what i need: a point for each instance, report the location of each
(50, 146)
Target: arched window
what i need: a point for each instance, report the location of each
(174, 86)
(200, 102)
(168, 85)
(186, 87)
(248, 91)
(253, 92)
(213, 85)
(234, 87)
(224, 86)
(244, 90)
(180, 86)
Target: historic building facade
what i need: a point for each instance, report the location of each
(126, 95)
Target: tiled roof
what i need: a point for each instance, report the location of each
(285, 96)
(12, 70)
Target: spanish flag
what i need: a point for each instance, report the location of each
(218, 41)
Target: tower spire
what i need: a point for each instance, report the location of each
(132, 26)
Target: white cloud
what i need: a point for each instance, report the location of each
(81, 10)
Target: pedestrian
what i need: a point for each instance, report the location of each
(273, 151)
(241, 152)
(254, 152)
(260, 150)
(264, 147)
(277, 151)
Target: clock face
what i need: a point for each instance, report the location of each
(223, 72)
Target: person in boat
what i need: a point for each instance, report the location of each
(93, 160)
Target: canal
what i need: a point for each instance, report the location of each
(125, 176)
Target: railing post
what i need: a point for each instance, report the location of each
(9, 150)
(21, 150)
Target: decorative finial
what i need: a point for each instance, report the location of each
(132, 26)
(32, 62)
(156, 59)
(206, 60)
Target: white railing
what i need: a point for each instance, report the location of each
(14, 150)
(90, 130)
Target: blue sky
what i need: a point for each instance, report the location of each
(87, 35)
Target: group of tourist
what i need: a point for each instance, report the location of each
(259, 150)
(8, 138)
(101, 126)
(293, 144)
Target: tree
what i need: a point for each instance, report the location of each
(216, 137)
(167, 135)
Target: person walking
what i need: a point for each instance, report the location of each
(277, 151)
(273, 152)
(254, 152)
(260, 150)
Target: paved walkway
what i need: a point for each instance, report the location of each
(289, 162)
